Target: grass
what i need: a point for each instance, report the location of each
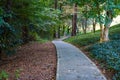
(92, 38)
(107, 53)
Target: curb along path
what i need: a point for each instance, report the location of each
(74, 65)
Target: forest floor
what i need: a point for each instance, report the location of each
(34, 61)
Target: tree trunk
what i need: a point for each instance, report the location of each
(55, 3)
(54, 33)
(25, 34)
(101, 26)
(94, 25)
(83, 25)
(84, 21)
(59, 32)
(106, 34)
(74, 20)
(85, 29)
(60, 7)
(101, 33)
(0, 54)
(63, 30)
(108, 22)
(55, 6)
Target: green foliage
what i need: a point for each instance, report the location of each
(108, 53)
(116, 76)
(17, 74)
(7, 36)
(25, 20)
(3, 75)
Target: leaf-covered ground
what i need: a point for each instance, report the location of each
(35, 61)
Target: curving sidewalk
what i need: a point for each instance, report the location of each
(72, 64)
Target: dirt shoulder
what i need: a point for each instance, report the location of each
(35, 61)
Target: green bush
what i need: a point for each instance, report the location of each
(4, 75)
(8, 38)
(115, 36)
(116, 76)
(108, 52)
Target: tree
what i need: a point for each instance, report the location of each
(104, 10)
(74, 20)
(108, 7)
(56, 5)
(21, 19)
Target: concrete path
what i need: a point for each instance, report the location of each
(74, 65)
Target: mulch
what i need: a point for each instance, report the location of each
(34, 61)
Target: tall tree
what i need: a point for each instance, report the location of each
(20, 19)
(74, 20)
(55, 6)
(108, 19)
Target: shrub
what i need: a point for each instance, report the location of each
(115, 36)
(109, 52)
(4, 75)
(116, 76)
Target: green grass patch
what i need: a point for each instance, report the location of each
(92, 38)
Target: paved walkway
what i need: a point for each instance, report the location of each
(74, 65)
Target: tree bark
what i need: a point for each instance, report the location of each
(0, 53)
(56, 3)
(94, 25)
(25, 34)
(108, 22)
(101, 26)
(85, 29)
(54, 33)
(101, 33)
(106, 34)
(59, 32)
(86, 19)
(55, 6)
(83, 25)
(63, 30)
(74, 20)
(60, 7)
